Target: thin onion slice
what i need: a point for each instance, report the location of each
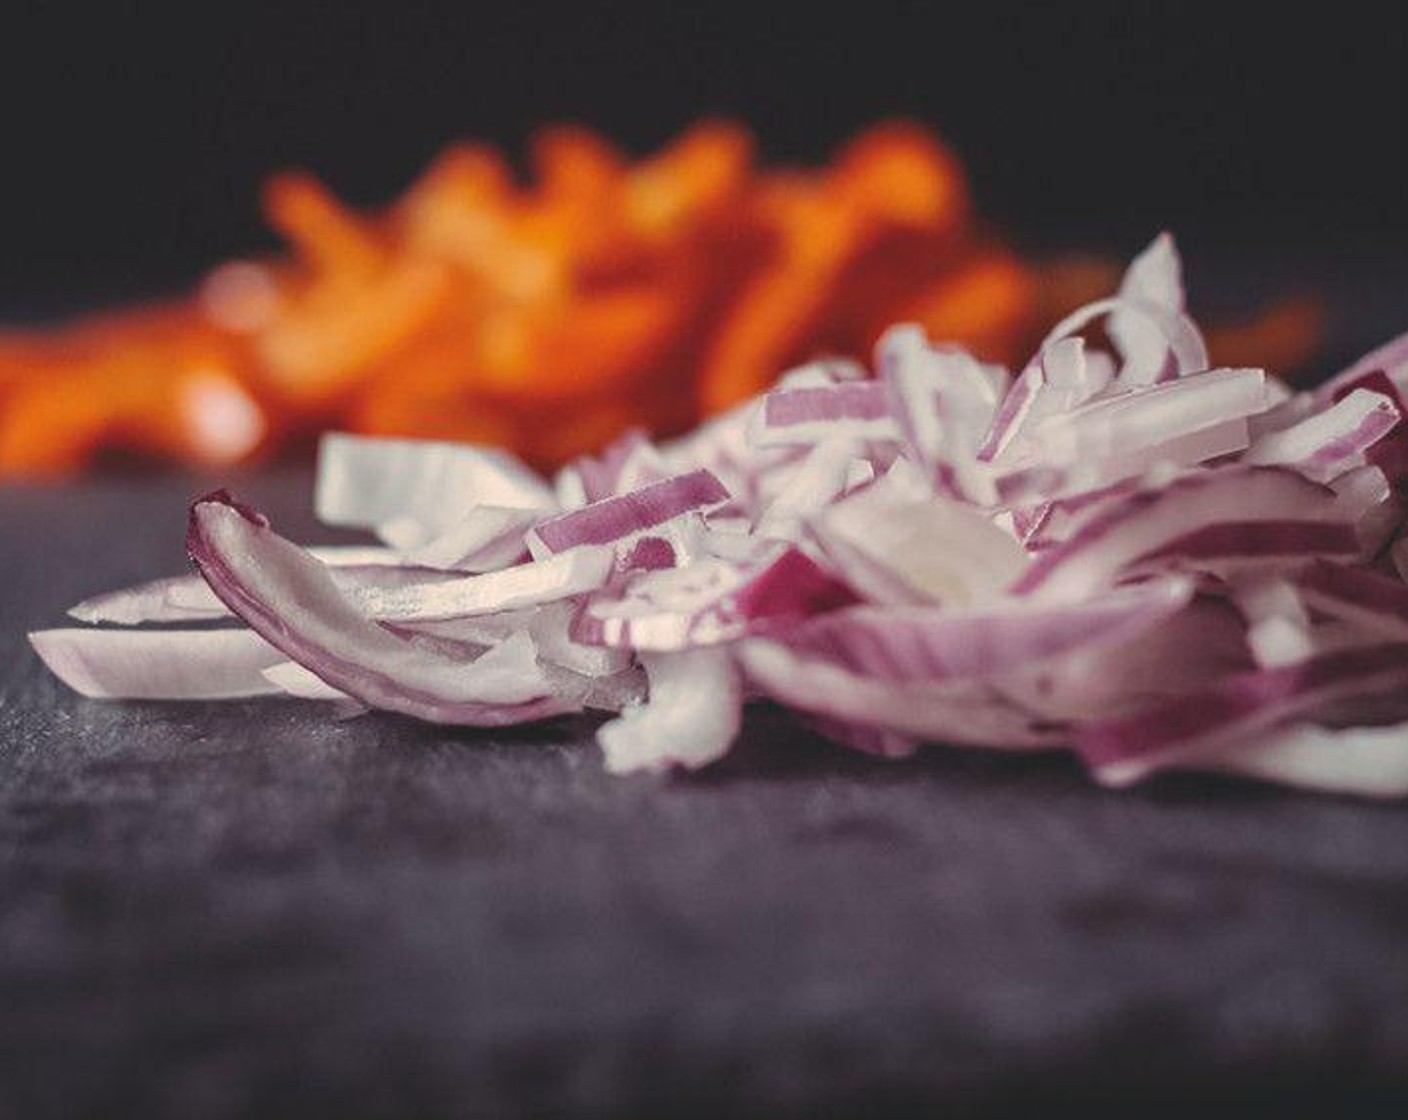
(158, 664)
(288, 598)
(538, 582)
(625, 517)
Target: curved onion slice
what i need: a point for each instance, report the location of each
(158, 664)
(1186, 350)
(287, 597)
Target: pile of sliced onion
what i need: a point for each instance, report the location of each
(1115, 550)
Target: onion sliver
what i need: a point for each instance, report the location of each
(616, 519)
(540, 581)
(158, 664)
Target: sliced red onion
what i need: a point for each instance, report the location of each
(969, 715)
(1209, 724)
(1148, 415)
(1017, 406)
(899, 550)
(1390, 453)
(804, 416)
(1327, 444)
(550, 627)
(691, 719)
(188, 598)
(413, 491)
(488, 537)
(570, 573)
(1120, 549)
(931, 644)
(568, 488)
(185, 598)
(158, 664)
(821, 478)
(287, 597)
(1058, 380)
(613, 693)
(1376, 603)
(1079, 477)
(612, 520)
(822, 373)
(1154, 280)
(1367, 501)
(629, 463)
(710, 602)
(943, 400)
(1156, 275)
(1180, 342)
(1182, 655)
(1256, 515)
(723, 446)
(650, 554)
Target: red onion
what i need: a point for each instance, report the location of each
(1118, 551)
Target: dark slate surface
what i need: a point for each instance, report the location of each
(250, 911)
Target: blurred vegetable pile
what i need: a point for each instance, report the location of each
(550, 315)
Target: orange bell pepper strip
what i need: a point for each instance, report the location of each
(327, 339)
(324, 233)
(985, 304)
(1280, 338)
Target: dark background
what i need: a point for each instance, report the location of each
(135, 136)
